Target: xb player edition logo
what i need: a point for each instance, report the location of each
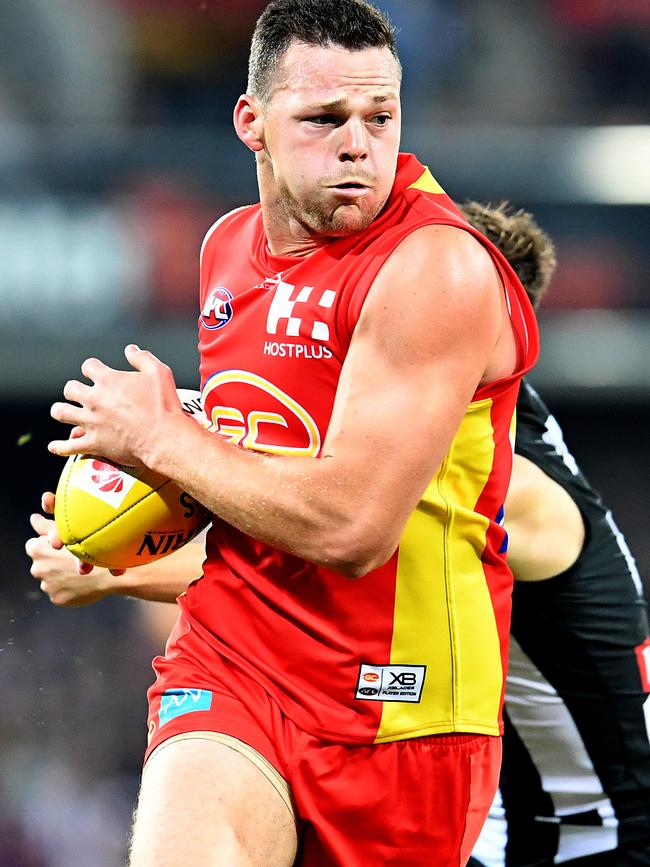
(217, 309)
(391, 682)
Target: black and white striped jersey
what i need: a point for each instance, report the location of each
(575, 784)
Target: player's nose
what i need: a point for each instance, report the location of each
(354, 141)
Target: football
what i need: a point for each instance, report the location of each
(118, 517)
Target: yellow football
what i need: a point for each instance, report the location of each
(119, 517)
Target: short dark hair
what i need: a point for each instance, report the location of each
(352, 24)
(528, 249)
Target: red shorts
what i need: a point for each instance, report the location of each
(409, 803)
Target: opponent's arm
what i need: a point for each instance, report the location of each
(432, 329)
(58, 572)
(545, 528)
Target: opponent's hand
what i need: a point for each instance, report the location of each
(124, 416)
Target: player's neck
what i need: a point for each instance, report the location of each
(285, 235)
(287, 238)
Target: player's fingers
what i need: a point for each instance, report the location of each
(76, 391)
(31, 546)
(77, 432)
(40, 524)
(65, 448)
(38, 550)
(117, 572)
(67, 413)
(84, 568)
(141, 359)
(47, 502)
(55, 596)
(93, 368)
(54, 539)
(144, 361)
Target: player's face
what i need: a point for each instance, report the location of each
(331, 136)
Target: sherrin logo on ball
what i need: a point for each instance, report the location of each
(118, 517)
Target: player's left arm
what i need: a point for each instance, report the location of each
(546, 532)
(434, 327)
(70, 583)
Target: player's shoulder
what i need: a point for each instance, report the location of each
(443, 262)
(223, 221)
(442, 246)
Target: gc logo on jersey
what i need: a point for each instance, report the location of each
(265, 419)
(217, 310)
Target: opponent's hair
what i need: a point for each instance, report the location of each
(352, 24)
(528, 249)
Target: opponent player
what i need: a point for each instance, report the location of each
(575, 782)
(368, 707)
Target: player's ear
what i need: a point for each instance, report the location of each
(247, 118)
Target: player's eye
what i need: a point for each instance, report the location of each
(322, 119)
(381, 119)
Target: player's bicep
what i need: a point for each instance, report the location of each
(420, 350)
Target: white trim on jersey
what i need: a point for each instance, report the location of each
(625, 551)
(553, 436)
(215, 226)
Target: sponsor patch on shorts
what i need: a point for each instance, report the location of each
(390, 682)
(176, 702)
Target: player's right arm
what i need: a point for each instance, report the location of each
(546, 532)
(433, 328)
(61, 579)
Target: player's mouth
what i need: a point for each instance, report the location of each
(350, 189)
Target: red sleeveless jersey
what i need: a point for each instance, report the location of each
(419, 645)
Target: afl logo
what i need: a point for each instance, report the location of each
(217, 310)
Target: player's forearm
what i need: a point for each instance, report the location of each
(161, 586)
(162, 580)
(308, 507)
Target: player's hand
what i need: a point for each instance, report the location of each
(124, 416)
(65, 579)
(44, 527)
(48, 501)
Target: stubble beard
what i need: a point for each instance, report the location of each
(320, 220)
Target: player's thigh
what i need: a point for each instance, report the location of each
(202, 803)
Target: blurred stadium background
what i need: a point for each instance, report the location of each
(116, 153)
